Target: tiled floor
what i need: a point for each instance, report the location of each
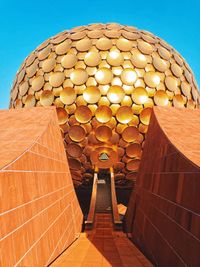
(102, 247)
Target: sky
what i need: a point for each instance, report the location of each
(26, 24)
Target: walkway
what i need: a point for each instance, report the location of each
(102, 247)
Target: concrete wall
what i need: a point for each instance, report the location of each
(40, 214)
(164, 210)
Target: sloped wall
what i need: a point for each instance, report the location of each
(40, 214)
(164, 210)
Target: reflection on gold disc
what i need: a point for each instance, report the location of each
(83, 114)
(62, 115)
(91, 94)
(68, 95)
(78, 76)
(128, 76)
(145, 115)
(152, 79)
(103, 114)
(124, 114)
(161, 98)
(130, 134)
(77, 133)
(104, 76)
(116, 94)
(139, 95)
(115, 58)
(103, 133)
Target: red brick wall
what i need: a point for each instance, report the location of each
(164, 210)
(40, 214)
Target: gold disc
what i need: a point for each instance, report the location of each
(178, 101)
(78, 76)
(138, 59)
(124, 44)
(68, 95)
(91, 94)
(56, 79)
(62, 115)
(130, 134)
(104, 76)
(134, 150)
(152, 79)
(161, 98)
(83, 114)
(92, 59)
(115, 94)
(46, 98)
(115, 58)
(128, 76)
(68, 61)
(133, 165)
(77, 133)
(145, 115)
(104, 44)
(74, 150)
(124, 114)
(139, 95)
(37, 83)
(171, 83)
(103, 133)
(103, 114)
(48, 64)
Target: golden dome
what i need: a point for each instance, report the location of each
(104, 80)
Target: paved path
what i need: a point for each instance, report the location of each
(102, 247)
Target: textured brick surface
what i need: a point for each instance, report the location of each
(40, 214)
(164, 210)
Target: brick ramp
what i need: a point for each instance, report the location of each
(102, 247)
(164, 210)
(40, 214)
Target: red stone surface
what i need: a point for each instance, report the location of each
(40, 214)
(164, 210)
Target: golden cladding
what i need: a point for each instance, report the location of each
(104, 80)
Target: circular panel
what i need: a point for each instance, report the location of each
(30, 101)
(37, 83)
(114, 108)
(74, 150)
(56, 79)
(145, 47)
(83, 45)
(145, 115)
(23, 88)
(91, 94)
(78, 76)
(120, 127)
(104, 44)
(171, 83)
(124, 114)
(74, 164)
(83, 114)
(48, 64)
(115, 58)
(138, 59)
(124, 44)
(103, 76)
(178, 101)
(115, 94)
(104, 101)
(160, 64)
(133, 165)
(128, 76)
(77, 133)
(103, 133)
(164, 53)
(68, 95)
(68, 61)
(152, 79)
(62, 115)
(63, 47)
(177, 71)
(139, 95)
(115, 138)
(130, 134)
(46, 98)
(161, 98)
(103, 114)
(127, 101)
(134, 150)
(92, 58)
(186, 89)
(118, 166)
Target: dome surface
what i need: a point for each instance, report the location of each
(104, 80)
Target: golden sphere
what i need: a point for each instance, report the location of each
(104, 80)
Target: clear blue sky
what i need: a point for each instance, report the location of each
(25, 24)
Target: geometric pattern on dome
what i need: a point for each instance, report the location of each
(104, 80)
